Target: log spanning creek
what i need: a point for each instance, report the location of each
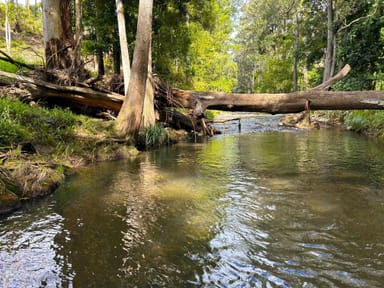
(265, 208)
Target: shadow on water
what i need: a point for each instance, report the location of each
(264, 209)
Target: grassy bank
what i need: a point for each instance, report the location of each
(39, 146)
(366, 122)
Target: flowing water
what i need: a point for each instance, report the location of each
(271, 208)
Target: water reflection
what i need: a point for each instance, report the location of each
(28, 252)
(275, 209)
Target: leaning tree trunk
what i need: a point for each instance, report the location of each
(128, 122)
(58, 38)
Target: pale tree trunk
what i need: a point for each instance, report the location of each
(329, 56)
(7, 30)
(129, 119)
(79, 32)
(123, 44)
(58, 38)
(149, 118)
(27, 7)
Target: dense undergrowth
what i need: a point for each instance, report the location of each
(38, 145)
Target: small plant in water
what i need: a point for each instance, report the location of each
(156, 135)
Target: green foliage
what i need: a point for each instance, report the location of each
(210, 114)
(266, 50)
(191, 44)
(362, 44)
(171, 42)
(156, 135)
(264, 46)
(366, 122)
(8, 67)
(21, 19)
(354, 82)
(22, 123)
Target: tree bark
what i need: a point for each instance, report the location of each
(278, 103)
(7, 29)
(123, 44)
(100, 62)
(58, 38)
(129, 119)
(149, 118)
(85, 96)
(329, 57)
(79, 33)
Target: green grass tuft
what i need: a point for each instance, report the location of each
(156, 135)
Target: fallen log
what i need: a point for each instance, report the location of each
(82, 95)
(280, 103)
(198, 102)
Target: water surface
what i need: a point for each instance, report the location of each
(263, 209)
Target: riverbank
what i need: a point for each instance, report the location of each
(40, 146)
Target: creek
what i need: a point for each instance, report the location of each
(269, 207)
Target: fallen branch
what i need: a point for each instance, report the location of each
(327, 84)
(198, 102)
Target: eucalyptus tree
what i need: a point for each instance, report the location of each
(129, 120)
(7, 29)
(330, 55)
(57, 34)
(123, 44)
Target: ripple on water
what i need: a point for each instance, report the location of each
(28, 253)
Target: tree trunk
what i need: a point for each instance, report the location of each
(7, 29)
(329, 57)
(123, 44)
(129, 119)
(116, 58)
(79, 32)
(58, 38)
(85, 96)
(100, 63)
(149, 118)
(278, 103)
(296, 54)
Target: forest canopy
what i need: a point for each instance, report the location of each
(232, 45)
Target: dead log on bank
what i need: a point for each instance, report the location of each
(198, 102)
(85, 96)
